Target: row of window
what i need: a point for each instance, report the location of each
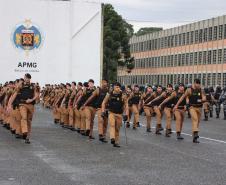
(207, 79)
(192, 37)
(185, 59)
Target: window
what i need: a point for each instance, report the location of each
(190, 78)
(182, 59)
(204, 57)
(204, 79)
(214, 79)
(176, 40)
(200, 35)
(196, 58)
(205, 35)
(180, 39)
(179, 60)
(188, 38)
(209, 57)
(210, 35)
(224, 79)
(225, 31)
(171, 60)
(208, 79)
(215, 33)
(200, 58)
(219, 79)
(196, 36)
(175, 60)
(224, 55)
(220, 35)
(191, 59)
(192, 37)
(187, 59)
(219, 56)
(183, 38)
(214, 56)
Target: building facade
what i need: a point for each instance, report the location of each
(180, 54)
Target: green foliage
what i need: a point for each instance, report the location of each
(117, 33)
(143, 31)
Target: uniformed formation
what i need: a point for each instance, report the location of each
(17, 100)
(75, 106)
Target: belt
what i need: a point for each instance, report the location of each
(196, 106)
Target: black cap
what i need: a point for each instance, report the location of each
(28, 75)
(197, 81)
(117, 84)
(91, 80)
(181, 84)
(80, 83)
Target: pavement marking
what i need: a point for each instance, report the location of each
(206, 138)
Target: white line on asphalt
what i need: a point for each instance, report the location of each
(206, 138)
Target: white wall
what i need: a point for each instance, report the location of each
(60, 58)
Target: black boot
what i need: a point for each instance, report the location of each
(179, 137)
(138, 124)
(195, 137)
(170, 131)
(218, 116)
(167, 133)
(157, 131)
(211, 114)
(116, 145)
(206, 116)
(127, 124)
(112, 141)
(87, 132)
(148, 130)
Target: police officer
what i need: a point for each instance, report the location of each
(135, 102)
(27, 99)
(217, 98)
(147, 97)
(196, 98)
(158, 99)
(96, 101)
(206, 104)
(223, 101)
(117, 104)
(168, 109)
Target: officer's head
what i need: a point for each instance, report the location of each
(117, 87)
(79, 85)
(149, 89)
(159, 88)
(197, 83)
(181, 87)
(170, 87)
(136, 88)
(128, 89)
(27, 78)
(73, 85)
(211, 89)
(91, 83)
(218, 88)
(104, 83)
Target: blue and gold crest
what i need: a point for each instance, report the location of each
(27, 36)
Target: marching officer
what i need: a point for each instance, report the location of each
(147, 97)
(117, 104)
(223, 101)
(135, 102)
(27, 99)
(217, 98)
(96, 100)
(207, 103)
(196, 98)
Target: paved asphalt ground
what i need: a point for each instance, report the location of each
(58, 156)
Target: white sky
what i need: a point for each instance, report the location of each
(166, 13)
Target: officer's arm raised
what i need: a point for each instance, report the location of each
(185, 95)
(105, 101)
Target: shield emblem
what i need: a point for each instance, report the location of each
(27, 38)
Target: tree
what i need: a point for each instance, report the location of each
(143, 31)
(117, 33)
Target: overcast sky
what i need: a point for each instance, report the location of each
(167, 13)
